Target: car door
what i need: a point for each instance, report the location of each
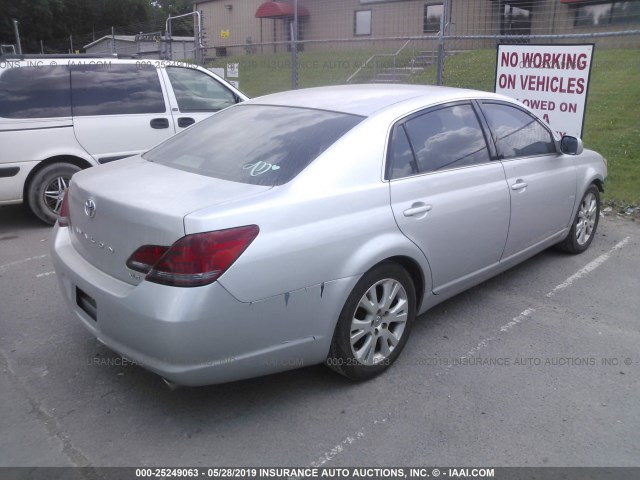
(447, 194)
(119, 110)
(542, 181)
(195, 95)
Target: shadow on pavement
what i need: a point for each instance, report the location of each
(18, 217)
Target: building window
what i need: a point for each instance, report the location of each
(515, 21)
(432, 16)
(362, 22)
(607, 13)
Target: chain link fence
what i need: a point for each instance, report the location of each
(449, 42)
(177, 39)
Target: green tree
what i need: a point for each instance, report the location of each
(52, 21)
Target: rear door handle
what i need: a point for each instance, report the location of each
(417, 209)
(159, 123)
(519, 185)
(184, 122)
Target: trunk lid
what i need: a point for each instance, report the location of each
(135, 202)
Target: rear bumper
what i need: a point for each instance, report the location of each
(200, 336)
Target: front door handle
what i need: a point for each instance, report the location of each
(519, 185)
(158, 123)
(184, 122)
(417, 209)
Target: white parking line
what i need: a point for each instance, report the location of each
(590, 267)
(18, 262)
(518, 319)
(330, 454)
(46, 274)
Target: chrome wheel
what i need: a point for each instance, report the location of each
(54, 193)
(379, 321)
(46, 190)
(587, 216)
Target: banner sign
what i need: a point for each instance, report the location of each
(552, 80)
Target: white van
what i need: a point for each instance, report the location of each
(59, 115)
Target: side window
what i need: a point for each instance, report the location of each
(401, 160)
(115, 90)
(449, 137)
(518, 133)
(198, 92)
(41, 92)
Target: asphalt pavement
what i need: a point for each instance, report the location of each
(539, 366)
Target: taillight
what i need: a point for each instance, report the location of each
(146, 257)
(194, 260)
(63, 215)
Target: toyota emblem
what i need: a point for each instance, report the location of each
(90, 208)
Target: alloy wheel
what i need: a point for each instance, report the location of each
(379, 321)
(586, 218)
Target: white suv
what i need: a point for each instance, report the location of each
(60, 115)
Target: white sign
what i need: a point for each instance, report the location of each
(233, 70)
(552, 80)
(235, 83)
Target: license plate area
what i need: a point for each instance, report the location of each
(87, 304)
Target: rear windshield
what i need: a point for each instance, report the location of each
(257, 144)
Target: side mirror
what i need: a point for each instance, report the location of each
(571, 145)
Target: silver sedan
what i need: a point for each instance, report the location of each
(313, 226)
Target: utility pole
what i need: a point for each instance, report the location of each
(294, 47)
(15, 29)
(441, 46)
(71, 43)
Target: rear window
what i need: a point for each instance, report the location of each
(41, 92)
(257, 144)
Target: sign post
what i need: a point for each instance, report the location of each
(552, 80)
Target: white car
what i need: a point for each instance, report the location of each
(60, 115)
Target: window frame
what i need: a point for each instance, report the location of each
(355, 23)
(424, 17)
(494, 138)
(486, 133)
(521, 29)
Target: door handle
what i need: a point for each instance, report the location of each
(159, 123)
(185, 122)
(519, 185)
(417, 209)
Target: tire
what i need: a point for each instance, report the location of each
(585, 223)
(47, 188)
(376, 343)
